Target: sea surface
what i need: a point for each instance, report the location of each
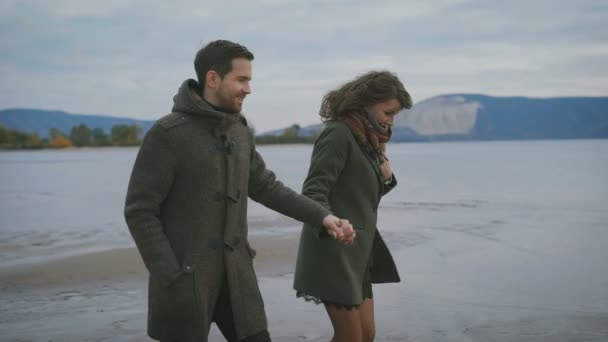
(58, 203)
(494, 241)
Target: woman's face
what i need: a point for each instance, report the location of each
(386, 111)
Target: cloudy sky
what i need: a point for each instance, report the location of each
(127, 58)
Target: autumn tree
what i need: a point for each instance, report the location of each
(58, 140)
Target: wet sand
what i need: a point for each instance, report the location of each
(488, 277)
(125, 264)
(100, 296)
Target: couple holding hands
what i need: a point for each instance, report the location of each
(186, 205)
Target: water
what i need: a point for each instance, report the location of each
(56, 203)
(494, 241)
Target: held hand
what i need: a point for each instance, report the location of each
(349, 232)
(385, 169)
(340, 230)
(332, 226)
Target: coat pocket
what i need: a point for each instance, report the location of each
(174, 305)
(251, 251)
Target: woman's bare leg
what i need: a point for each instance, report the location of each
(368, 325)
(346, 323)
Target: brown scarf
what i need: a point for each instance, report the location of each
(372, 141)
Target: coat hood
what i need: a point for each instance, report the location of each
(188, 101)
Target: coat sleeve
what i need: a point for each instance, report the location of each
(329, 157)
(264, 188)
(151, 180)
(390, 186)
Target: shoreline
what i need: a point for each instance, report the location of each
(275, 256)
(429, 141)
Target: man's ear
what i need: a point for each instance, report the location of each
(212, 79)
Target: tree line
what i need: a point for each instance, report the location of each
(120, 135)
(79, 136)
(290, 135)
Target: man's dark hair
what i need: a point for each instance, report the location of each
(218, 56)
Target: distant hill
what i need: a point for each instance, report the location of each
(440, 118)
(481, 117)
(41, 121)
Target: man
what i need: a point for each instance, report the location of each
(186, 206)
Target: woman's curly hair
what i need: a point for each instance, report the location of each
(365, 90)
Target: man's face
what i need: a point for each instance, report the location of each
(234, 87)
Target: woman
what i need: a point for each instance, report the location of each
(349, 173)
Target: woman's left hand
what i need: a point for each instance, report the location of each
(385, 169)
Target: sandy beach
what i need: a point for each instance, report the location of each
(124, 264)
(101, 296)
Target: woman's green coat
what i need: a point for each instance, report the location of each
(344, 179)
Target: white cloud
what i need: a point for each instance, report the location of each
(129, 57)
(65, 9)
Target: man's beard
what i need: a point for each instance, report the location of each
(226, 104)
